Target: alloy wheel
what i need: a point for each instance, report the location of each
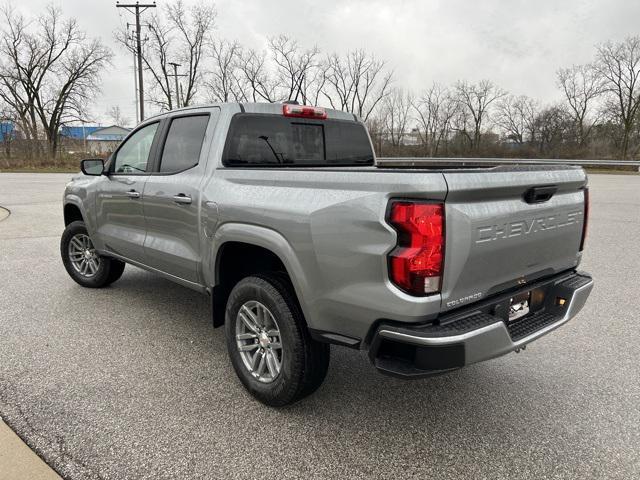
(258, 341)
(83, 256)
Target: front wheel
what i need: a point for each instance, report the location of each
(269, 346)
(83, 264)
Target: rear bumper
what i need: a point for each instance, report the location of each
(480, 332)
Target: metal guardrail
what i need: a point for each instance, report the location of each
(417, 161)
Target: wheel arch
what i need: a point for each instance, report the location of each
(241, 250)
(72, 213)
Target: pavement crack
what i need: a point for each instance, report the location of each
(3, 215)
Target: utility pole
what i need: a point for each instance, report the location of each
(138, 8)
(175, 77)
(131, 37)
(135, 89)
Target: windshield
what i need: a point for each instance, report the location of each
(272, 140)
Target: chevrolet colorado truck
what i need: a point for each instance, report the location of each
(281, 215)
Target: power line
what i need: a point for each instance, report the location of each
(138, 8)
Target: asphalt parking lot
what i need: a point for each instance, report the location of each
(132, 381)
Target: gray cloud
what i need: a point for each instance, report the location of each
(518, 44)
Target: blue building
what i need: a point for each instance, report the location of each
(96, 140)
(78, 133)
(7, 131)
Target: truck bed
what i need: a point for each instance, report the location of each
(334, 219)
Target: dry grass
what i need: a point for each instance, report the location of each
(62, 164)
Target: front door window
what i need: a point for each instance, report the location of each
(133, 155)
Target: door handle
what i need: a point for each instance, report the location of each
(133, 194)
(182, 199)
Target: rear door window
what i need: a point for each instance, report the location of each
(272, 140)
(183, 144)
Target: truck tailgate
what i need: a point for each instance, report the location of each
(502, 233)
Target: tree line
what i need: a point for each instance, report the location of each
(50, 73)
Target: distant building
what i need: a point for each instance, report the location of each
(412, 138)
(105, 140)
(78, 133)
(94, 139)
(7, 131)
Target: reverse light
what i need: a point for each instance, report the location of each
(585, 219)
(303, 111)
(416, 264)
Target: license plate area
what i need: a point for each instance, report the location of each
(519, 306)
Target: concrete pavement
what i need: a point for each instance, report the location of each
(132, 382)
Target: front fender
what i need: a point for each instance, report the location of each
(76, 201)
(80, 192)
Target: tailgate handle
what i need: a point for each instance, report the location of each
(540, 194)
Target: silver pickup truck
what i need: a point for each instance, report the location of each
(280, 214)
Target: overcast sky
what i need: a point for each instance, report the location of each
(517, 44)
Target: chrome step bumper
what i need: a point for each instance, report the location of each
(478, 332)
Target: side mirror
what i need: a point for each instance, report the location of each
(93, 167)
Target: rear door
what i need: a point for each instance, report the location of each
(508, 226)
(172, 196)
(119, 213)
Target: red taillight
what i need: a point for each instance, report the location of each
(415, 265)
(303, 111)
(585, 219)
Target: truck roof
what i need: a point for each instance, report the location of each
(250, 107)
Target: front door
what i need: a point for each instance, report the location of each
(121, 226)
(172, 198)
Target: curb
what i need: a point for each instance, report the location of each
(18, 461)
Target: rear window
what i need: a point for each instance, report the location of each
(183, 144)
(272, 140)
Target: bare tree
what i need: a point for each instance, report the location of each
(618, 64)
(20, 74)
(434, 110)
(257, 77)
(581, 85)
(294, 67)
(461, 126)
(376, 132)
(553, 125)
(175, 35)
(516, 116)
(50, 71)
(226, 80)
(115, 115)
(356, 83)
(193, 28)
(314, 83)
(395, 115)
(476, 99)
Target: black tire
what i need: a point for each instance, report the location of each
(304, 361)
(108, 271)
(116, 270)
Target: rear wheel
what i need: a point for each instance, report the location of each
(268, 342)
(83, 264)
